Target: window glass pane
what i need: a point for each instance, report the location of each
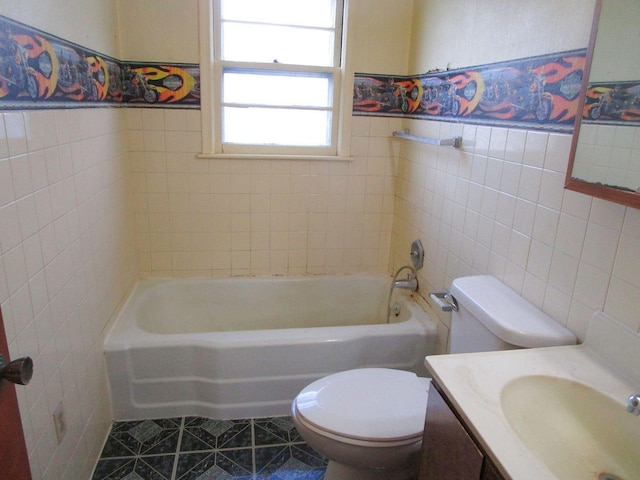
(267, 43)
(310, 13)
(273, 88)
(264, 126)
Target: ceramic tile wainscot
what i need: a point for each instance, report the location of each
(192, 448)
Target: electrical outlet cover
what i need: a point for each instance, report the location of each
(59, 422)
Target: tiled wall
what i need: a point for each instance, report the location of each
(204, 217)
(609, 154)
(67, 258)
(498, 206)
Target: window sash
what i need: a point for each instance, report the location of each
(321, 16)
(283, 127)
(211, 95)
(282, 88)
(291, 45)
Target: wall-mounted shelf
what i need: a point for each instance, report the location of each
(447, 142)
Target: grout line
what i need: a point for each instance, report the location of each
(177, 452)
(221, 450)
(253, 447)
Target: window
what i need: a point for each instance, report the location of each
(274, 86)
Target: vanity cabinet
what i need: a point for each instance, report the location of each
(449, 451)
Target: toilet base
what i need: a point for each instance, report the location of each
(339, 471)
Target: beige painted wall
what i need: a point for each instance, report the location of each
(381, 39)
(168, 32)
(158, 31)
(89, 23)
(462, 33)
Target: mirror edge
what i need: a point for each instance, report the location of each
(629, 199)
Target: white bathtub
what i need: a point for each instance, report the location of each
(241, 348)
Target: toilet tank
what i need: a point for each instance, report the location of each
(491, 317)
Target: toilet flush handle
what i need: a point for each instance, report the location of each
(444, 300)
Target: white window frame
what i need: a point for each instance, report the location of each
(211, 69)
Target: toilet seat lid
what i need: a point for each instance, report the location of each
(369, 404)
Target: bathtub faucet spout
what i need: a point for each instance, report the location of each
(409, 283)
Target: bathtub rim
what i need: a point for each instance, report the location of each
(124, 334)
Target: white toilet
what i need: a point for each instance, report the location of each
(369, 422)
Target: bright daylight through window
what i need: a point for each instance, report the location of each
(276, 76)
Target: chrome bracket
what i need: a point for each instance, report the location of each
(444, 300)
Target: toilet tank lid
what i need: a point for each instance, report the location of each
(508, 315)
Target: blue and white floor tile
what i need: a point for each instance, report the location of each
(196, 448)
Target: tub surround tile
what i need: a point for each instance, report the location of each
(198, 448)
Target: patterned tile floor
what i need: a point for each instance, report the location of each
(196, 448)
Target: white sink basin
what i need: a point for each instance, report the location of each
(576, 431)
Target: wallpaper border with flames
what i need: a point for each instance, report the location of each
(39, 70)
(613, 103)
(539, 92)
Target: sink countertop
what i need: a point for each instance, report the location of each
(473, 382)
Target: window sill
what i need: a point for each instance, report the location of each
(263, 156)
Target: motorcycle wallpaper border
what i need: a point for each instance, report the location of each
(39, 70)
(539, 92)
(613, 103)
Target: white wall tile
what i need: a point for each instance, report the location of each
(623, 302)
(4, 145)
(557, 304)
(570, 235)
(510, 181)
(545, 225)
(519, 249)
(600, 247)
(557, 246)
(607, 214)
(16, 133)
(535, 149)
(21, 175)
(529, 186)
(40, 262)
(632, 222)
(591, 287)
(557, 153)
(498, 142)
(627, 263)
(539, 260)
(524, 217)
(551, 189)
(514, 148)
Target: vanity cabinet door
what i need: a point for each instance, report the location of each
(448, 452)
